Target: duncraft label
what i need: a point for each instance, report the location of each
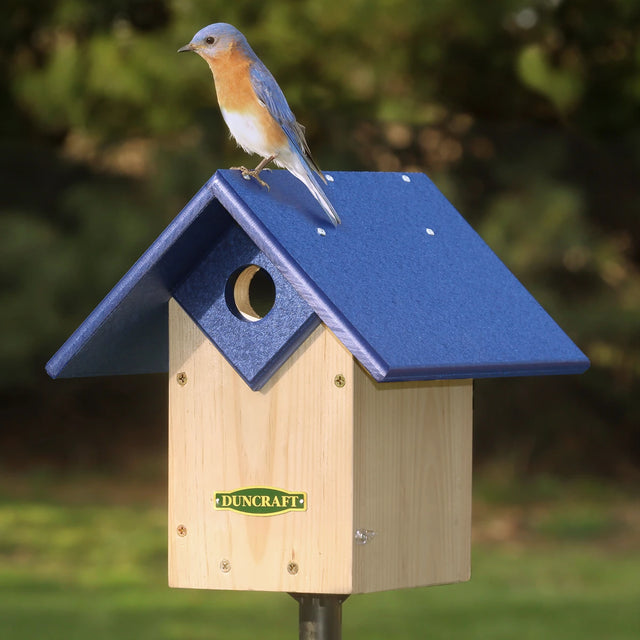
(260, 501)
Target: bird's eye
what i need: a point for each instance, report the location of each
(210, 40)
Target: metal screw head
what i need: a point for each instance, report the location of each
(363, 536)
(182, 378)
(293, 568)
(225, 566)
(339, 381)
(181, 530)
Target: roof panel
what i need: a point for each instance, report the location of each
(405, 283)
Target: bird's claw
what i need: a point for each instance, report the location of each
(247, 174)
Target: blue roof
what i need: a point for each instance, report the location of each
(405, 283)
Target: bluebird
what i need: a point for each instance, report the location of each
(255, 109)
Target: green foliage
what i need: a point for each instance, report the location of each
(563, 87)
(525, 112)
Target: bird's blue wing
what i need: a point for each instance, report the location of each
(270, 95)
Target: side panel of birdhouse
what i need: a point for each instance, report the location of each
(412, 483)
(260, 482)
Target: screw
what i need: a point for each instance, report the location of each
(182, 530)
(225, 566)
(363, 536)
(293, 568)
(182, 378)
(339, 381)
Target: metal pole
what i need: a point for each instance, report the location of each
(320, 616)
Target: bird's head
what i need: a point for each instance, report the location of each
(214, 39)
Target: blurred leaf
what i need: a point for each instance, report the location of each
(563, 86)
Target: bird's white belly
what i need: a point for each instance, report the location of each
(247, 132)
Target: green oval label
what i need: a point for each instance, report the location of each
(260, 501)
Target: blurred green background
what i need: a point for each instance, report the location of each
(526, 113)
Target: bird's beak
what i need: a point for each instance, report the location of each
(187, 47)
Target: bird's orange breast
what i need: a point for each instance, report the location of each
(231, 73)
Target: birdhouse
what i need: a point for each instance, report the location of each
(320, 378)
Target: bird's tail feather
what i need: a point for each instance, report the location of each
(305, 174)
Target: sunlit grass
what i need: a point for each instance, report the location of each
(74, 568)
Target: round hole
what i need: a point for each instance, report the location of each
(250, 293)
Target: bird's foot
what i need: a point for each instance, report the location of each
(247, 174)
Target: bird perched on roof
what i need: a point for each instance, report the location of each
(255, 109)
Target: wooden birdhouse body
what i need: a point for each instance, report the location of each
(320, 425)
(385, 470)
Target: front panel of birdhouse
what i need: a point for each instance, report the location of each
(324, 481)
